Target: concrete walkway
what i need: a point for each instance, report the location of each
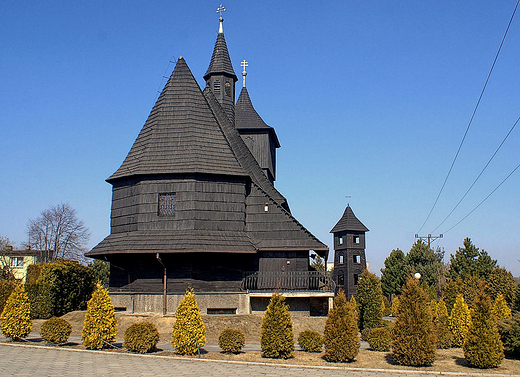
(30, 360)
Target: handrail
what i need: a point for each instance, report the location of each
(288, 281)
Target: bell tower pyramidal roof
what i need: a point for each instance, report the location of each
(220, 76)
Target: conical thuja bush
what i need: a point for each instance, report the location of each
(413, 336)
(188, 330)
(276, 334)
(444, 335)
(460, 319)
(100, 325)
(341, 331)
(500, 308)
(482, 345)
(16, 317)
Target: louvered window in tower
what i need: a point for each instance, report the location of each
(166, 204)
(227, 87)
(216, 87)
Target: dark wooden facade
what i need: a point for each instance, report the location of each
(195, 194)
(349, 252)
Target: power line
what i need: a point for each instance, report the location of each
(483, 200)
(476, 179)
(471, 119)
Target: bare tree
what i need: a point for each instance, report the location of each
(6, 271)
(59, 232)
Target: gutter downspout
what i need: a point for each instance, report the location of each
(165, 284)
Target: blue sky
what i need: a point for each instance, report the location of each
(369, 99)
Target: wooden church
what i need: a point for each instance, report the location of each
(194, 205)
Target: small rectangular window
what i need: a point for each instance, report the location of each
(356, 239)
(357, 259)
(340, 240)
(341, 279)
(356, 278)
(166, 204)
(341, 259)
(16, 261)
(222, 311)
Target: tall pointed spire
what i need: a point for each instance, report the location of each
(220, 76)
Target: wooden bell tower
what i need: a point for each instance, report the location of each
(349, 252)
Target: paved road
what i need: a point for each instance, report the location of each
(26, 360)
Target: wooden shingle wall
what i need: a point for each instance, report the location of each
(202, 202)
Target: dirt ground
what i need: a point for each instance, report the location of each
(451, 360)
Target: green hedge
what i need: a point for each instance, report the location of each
(57, 288)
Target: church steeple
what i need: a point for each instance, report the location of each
(220, 76)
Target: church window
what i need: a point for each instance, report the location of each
(357, 259)
(340, 240)
(356, 278)
(356, 239)
(216, 87)
(341, 279)
(227, 88)
(166, 204)
(341, 259)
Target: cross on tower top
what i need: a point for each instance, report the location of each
(244, 64)
(221, 9)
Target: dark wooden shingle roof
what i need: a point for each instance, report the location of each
(246, 117)
(185, 241)
(181, 135)
(220, 61)
(188, 131)
(349, 222)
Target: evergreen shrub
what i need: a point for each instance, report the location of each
(100, 325)
(56, 330)
(380, 339)
(413, 335)
(500, 309)
(509, 330)
(516, 301)
(188, 328)
(59, 287)
(310, 341)
(40, 298)
(365, 334)
(441, 322)
(459, 321)
(141, 337)
(276, 334)
(6, 288)
(341, 331)
(482, 345)
(16, 317)
(387, 309)
(370, 300)
(395, 307)
(231, 340)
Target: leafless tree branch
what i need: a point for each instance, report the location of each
(58, 231)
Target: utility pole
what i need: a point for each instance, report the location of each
(429, 238)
